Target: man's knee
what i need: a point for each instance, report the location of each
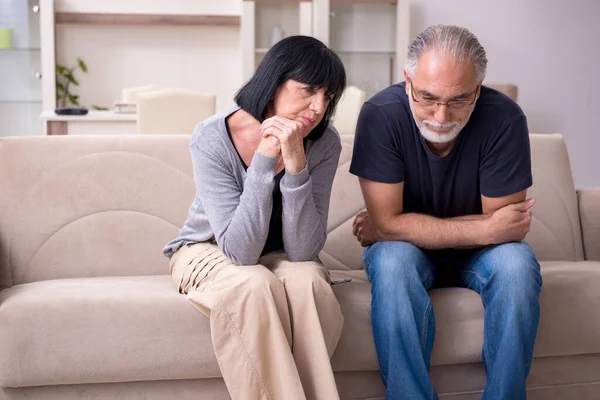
(515, 266)
(396, 262)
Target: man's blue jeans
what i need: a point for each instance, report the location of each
(507, 277)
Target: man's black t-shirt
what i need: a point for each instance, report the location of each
(491, 156)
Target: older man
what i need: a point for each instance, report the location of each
(444, 166)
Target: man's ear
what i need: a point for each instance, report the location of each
(406, 79)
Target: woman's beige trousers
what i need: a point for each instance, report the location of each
(274, 325)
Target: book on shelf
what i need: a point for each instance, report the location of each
(124, 108)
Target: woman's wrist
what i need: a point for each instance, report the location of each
(296, 166)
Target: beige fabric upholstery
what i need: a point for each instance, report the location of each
(173, 110)
(589, 213)
(459, 318)
(508, 89)
(112, 330)
(555, 230)
(129, 95)
(87, 314)
(549, 380)
(62, 196)
(346, 114)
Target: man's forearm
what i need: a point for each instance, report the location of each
(472, 217)
(429, 232)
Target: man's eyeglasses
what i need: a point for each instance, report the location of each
(434, 105)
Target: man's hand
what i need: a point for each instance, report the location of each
(290, 135)
(510, 223)
(364, 230)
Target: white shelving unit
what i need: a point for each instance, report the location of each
(186, 43)
(259, 18)
(370, 36)
(21, 92)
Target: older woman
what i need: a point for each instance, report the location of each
(247, 254)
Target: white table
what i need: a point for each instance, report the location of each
(94, 123)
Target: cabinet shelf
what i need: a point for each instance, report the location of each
(146, 19)
(6, 101)
(21, 49)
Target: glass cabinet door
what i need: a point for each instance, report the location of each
(363, 34)
(20, 68)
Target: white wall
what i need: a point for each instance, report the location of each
(551, 50)
(203, 58)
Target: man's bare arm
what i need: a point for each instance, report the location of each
(388, 222)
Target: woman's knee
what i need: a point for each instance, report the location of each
(251, 280)
(303, 276)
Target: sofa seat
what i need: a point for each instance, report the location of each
(96, 330)
(92, 330)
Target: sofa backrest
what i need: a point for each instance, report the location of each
(555, 229)
(87, 206)
(82, 206)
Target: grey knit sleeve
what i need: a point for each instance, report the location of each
(306, 200)
(239, 218)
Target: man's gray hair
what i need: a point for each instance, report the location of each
(457, 43)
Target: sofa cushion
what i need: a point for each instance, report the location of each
(568, 323)
(93, 330)
(90, 330)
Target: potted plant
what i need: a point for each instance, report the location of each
(68, 102)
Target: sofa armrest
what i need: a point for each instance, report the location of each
(589, 215)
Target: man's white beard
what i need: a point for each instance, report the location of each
(453, 128)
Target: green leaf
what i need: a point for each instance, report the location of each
(99, 108)
(57, 97)
(61, 69)
(71, 78)
(73, 99)
(60, 86)
(82, 65)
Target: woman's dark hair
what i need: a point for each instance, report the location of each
(303, 59)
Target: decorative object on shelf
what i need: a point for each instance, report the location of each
(6, 36)
(100, 108)
(348, 108)
(173, 110)
(71, 111)
(125, 108)
(276, 35)
(129, 94)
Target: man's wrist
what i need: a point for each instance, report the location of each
(487, 230)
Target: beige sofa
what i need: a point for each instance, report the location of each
(87, 309)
